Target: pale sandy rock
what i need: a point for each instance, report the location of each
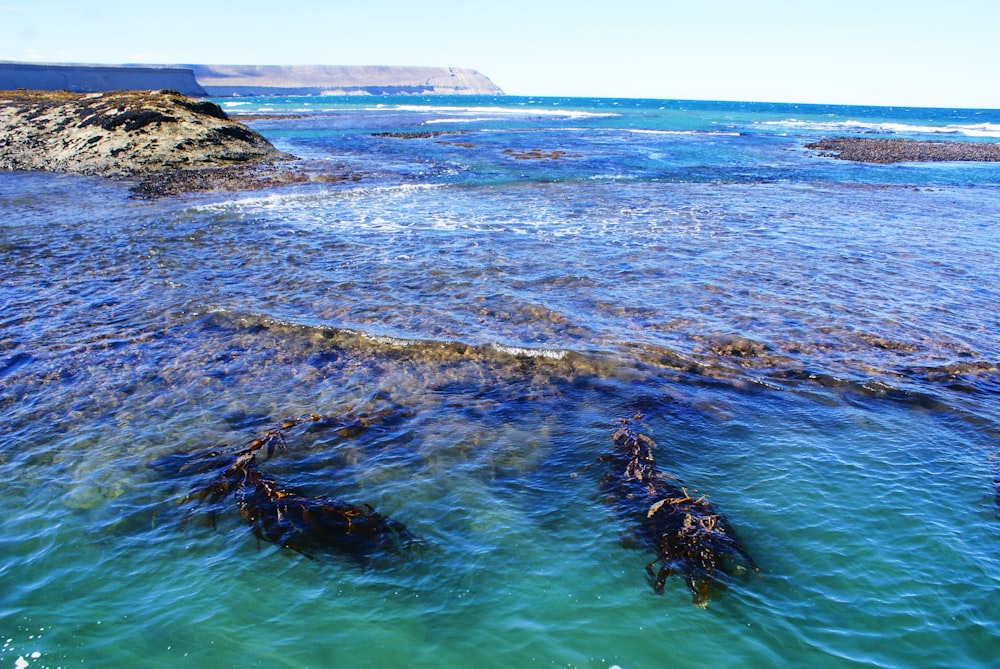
(123, 133)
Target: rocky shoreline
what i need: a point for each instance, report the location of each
(891, 150)
(164, 140)
(168, 143)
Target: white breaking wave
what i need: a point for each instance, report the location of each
(520, 351)
(386, 339)
(725, 133)
(304, 202)
(967, 130)
(494, 112)
(469, 119)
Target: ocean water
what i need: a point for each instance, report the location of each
(491, 288)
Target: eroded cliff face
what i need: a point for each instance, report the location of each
(123, 133)
(240, 80)
(85, 78)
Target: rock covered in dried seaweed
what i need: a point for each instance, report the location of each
(686, 531)
(235, 178)
(123, 133)
(895, 150)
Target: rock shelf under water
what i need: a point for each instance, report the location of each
(893, 150)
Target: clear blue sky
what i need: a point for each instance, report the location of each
(893, 52)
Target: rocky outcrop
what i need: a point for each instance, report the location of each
(230, 80)
(94, 78)
(124, 133)
(890, 150)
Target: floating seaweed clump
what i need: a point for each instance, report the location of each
(687, 532)
(282, 516)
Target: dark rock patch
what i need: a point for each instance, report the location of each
(887, 150)
(128, 120)
(736, 345)
(205, 108)
(539, 154)
(233, 178)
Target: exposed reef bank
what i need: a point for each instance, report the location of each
(886, 150)
(155, 135)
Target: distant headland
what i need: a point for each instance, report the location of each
(236, 80)
(247, 80)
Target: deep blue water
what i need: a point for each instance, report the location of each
(812, 343)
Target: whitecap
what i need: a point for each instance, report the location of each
(260, 203)
(889, 128)
(522, 352)
(387, 340)
(723, 133)
(503, 111)
(461, 120)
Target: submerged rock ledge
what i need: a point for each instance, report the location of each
(887, 150)
(127, 134)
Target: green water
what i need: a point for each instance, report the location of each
(811, 343)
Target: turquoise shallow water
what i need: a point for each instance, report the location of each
(811, 343)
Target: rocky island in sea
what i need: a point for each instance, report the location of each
(158, 136)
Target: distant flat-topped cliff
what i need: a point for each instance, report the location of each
(228, 80)
(239, 80)
(85, 78)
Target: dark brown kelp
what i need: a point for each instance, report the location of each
(282, 516)
(687, 532)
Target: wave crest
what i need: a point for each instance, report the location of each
(966, 130)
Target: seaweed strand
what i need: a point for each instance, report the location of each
(278, 514)
(684, 529)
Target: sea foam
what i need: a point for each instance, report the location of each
(889, 128)
(644, 131)
(493, 112)
(522, 352)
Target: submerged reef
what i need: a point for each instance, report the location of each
(539, 154)
(891, 150)
(685, 530)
